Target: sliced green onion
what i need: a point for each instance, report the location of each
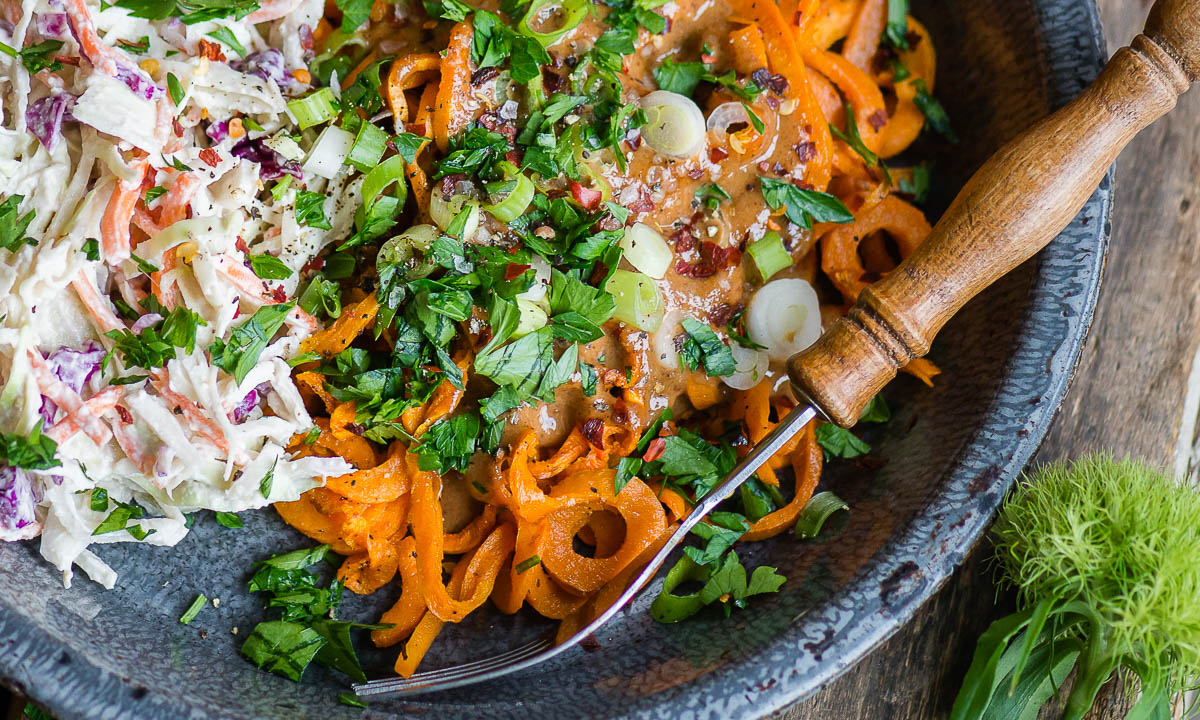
(400, 249)
(819, 509)
(638, 301)
(674, 124)
(314, 108)
(368, 147)
(646, 250)
(193, 610)
(518, 190)
(328, 153)
(671, 608)
(564, 15)
(528, 563)
(597, 180)
(443, 210)
(381, 176)
(769, 254)
(533, 317)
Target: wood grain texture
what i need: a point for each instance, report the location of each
(989, 229)
(1128, 397)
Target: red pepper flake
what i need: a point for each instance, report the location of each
(482, 75)
(416, 128)
(515, 270)
(210, 157)
(240, 244)
(515, 156)
(73, 61)
(588, 197)
(806, 151)
(593, 430)
(877, 119)
(716, 154)
(278, 294)
(713, 257)
(723, 313)
(124, 414)
(450, 181)
(211, 50)
(655, 449)
(643, 203)
(708, 58)
(763, 78)
(306, 37)
(684, 240)
(176, 127)
(312, 265)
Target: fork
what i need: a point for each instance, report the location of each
(1011, 208)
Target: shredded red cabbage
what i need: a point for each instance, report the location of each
(74, 368)
(45, 118)
(218, 131)
(144, 322)
(52, 25)
(249, 402)
(272, 165)
(17, 500)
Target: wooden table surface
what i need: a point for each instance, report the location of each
(1133, 394)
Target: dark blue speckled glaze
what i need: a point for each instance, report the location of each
(951, 453)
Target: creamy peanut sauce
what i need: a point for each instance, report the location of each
(660, 191)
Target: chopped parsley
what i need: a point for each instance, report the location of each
(310, 210)
(35, 452)
(155, 345)
(307, 630)
(803, 207)
(239, 356)
(704, 347)
(935, 114)
(13, 226)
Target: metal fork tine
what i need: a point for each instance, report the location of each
(448, 677)
(543, 649)
(533, 646)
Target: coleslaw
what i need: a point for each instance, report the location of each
(156, 221)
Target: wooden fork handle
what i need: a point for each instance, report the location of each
(1013, 206)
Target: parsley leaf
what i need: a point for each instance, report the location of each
(35, 452)
(41, 56)
(12, 227)
(935, 114)
(720, 532)
(449, 443)
(174, 89)
(310, 210)
(229, 520)
(918, 187)
(190, 11)
(155, 345)
(269, 267)
(355, 13)
(408, 145)
(703, 345)
(239, 356)
(226, 37)
(838, 442)
(803, 207)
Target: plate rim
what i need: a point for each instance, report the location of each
(31, 659)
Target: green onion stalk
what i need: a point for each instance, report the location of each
(1105, 557)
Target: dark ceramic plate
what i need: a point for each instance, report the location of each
(951, 453)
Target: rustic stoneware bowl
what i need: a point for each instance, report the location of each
(951, 452)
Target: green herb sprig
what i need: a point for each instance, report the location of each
(1105, 557)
